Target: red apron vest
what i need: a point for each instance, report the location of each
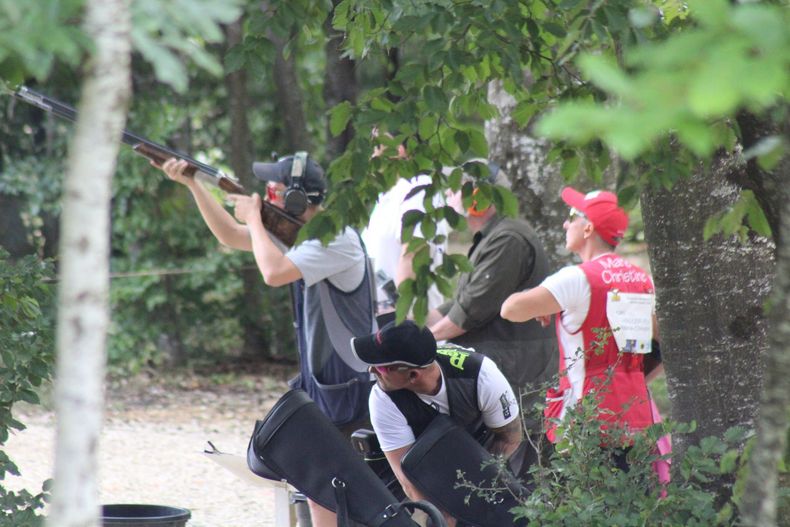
(626, 393)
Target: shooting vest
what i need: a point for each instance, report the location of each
(326, 318)
(460, 368)
(500, 336)
(625, 395)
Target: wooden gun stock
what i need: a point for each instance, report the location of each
(278, 222)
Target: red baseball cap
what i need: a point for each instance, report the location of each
(600, 207)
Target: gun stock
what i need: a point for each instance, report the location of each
(277, 221)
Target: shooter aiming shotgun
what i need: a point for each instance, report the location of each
(282, 225)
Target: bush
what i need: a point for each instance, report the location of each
(577, 483)
(580, 484)
(26, 361)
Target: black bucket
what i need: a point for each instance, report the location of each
(136, 515)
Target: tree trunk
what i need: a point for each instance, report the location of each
(759, 502)
(83, 313)
(340, 84)
(255, 340)
(13, 231)
(536, 183)
(289, 98)
(239, 105)
(710, 298)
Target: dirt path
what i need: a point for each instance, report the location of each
(152, 442)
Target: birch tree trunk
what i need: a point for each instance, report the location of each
(536, 183)
(84, 266)
(710, 297)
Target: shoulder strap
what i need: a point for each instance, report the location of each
(340, 334)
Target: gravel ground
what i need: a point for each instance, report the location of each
(152, 443)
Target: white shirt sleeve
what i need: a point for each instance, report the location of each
(342, 261)
(495, 396)
(390, 425)
(570, 288)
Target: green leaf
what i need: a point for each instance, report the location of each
(506, 201)
(478, 143)
(427, 127)
(523, 112)
(435, 99)
(234, 59)
(461, 262)
(755, 216)
(570, 168)
(768, 151)
(642, 17)
(168, 68)
(555, 29)
(605, 74)
(711, 93)
(728, 461)
(462, 140)
(420, 309)
(405, 297)
(339, 116)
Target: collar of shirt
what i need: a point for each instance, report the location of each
(482, 233)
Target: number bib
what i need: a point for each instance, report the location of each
(631, 318)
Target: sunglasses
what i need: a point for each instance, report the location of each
(273, 193)
(396, 367)
(574, 214)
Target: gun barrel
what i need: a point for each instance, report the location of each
(284, 226)
(130, 138)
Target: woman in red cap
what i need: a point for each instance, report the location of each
(604, 304)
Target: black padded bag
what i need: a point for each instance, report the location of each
(297, 443)
(432, 463)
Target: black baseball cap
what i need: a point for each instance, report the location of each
(404, 343)
(313, 181)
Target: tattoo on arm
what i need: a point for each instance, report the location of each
(507, 438)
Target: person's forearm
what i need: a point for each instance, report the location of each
(221, 223)
(274, 266)
(415, 495)
(267, 255)
(504, 446)
(404, 268)
(434, 316)
(507, 439)
(446, 329)
(528, 304)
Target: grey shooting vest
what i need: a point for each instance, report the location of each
(326, 319)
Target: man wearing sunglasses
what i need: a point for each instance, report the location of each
(415, 381)
(590, 298)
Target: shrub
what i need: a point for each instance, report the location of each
(26, 361)
(577, 483)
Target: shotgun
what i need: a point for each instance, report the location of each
(282, 225)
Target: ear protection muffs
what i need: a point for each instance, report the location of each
(295, 199)
(493, 170)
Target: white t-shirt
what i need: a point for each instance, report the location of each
(342, 261)
(494, 398)
(570, 288)
(383, 234)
